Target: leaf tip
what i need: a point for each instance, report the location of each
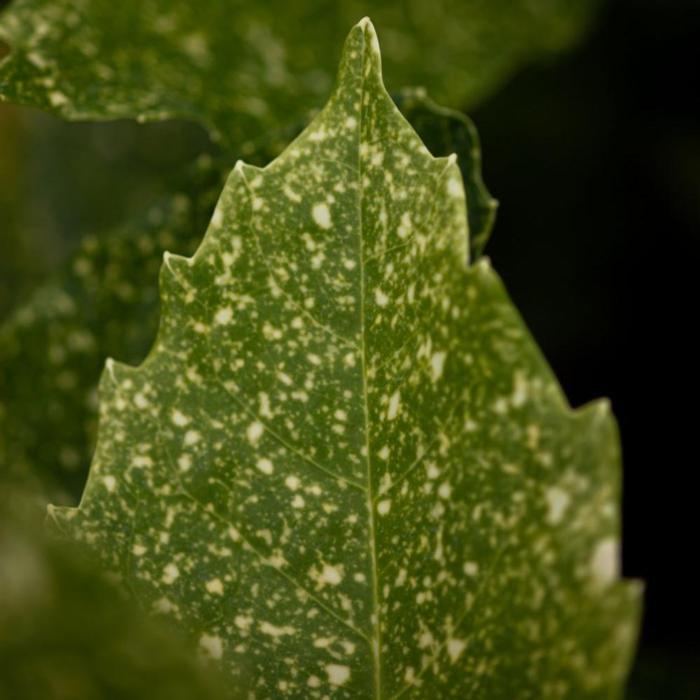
(57, 517)
(361, 53)
(483, 264)
(370, 35)
(113, 370)
(365, 24)
(603, 406)
(597, 411)
(171, 262)
(109, 368)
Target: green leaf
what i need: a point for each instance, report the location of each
(105, 304)
(60, 181)
(445, 131)
(55, 345)
(241, 68)
(344, 466)
(67, 633)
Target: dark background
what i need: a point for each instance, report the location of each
(596, 162)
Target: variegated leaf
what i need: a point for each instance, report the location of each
(345, 468)
(105, 303)
(241, 68)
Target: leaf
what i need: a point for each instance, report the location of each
(66, 633)
(344, 466)
(105, 303)
(445, 131)
(240, 68)
(55, 345)
(60, 181)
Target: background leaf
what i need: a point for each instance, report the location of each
(66, 633)
(445, 131)
(53, 348)
(105, 304)
(345, 467)
(240, 68)
(61, 181)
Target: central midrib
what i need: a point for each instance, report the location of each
(376, 626)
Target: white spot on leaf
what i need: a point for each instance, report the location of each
(381, 298)
(292, 482)
(437, 364)
(179, 418)
(557, 502)
(254, 432)
(192, 437)
(394, 403)
(211, 645)
(455, 647)
(215, 586)
(331, 575)
(275, 631)
(605, 562)
(321, 215)
(265, 466)
(223, 316)
(170, 573)
(337, 674)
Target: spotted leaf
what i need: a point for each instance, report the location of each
(240, 67)
(344, 468)
(105, 303)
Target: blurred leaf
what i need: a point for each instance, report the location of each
(345, 466)
(241, 68)
(444, 132)
(66, 633)
(53, 348)
(60, 181)
(106, 304)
